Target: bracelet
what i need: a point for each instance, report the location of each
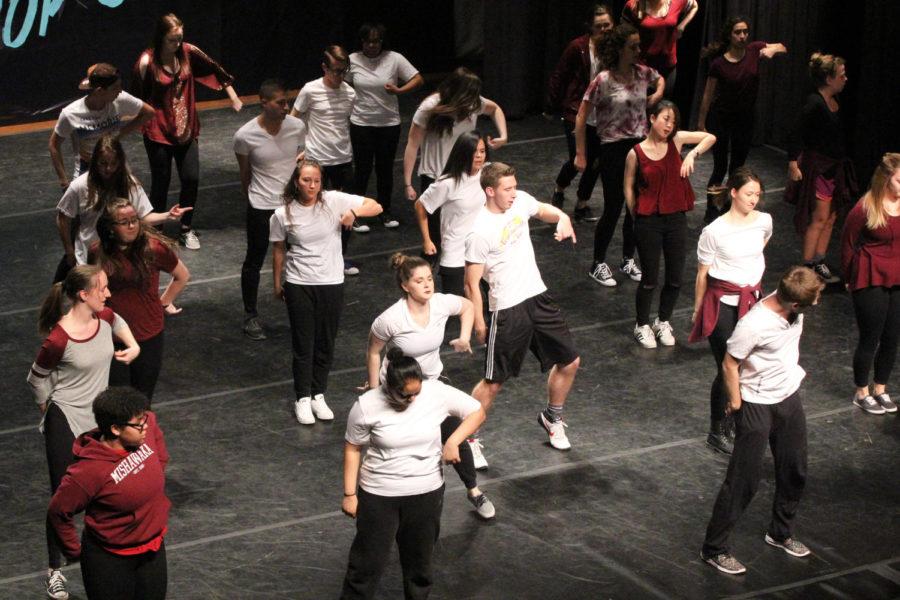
(167, 305)
(349, 495)
(353, 212)
(409, 185)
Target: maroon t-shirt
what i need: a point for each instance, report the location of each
(661, 188)
(736, 82)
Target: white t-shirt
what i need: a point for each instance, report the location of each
(74, 203)
(403, 457)
(85, 126)
(398, 328)
(326, 112)
(435, 150)
(768, 347)
(374, 107)
(272, 158)
(502, 243)
(313, 236)
(734, 253)
(461, 202)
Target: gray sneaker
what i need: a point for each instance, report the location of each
(790, 545)
(869, 405)
(886, 403)
(483, 506)
(253, 329)
(724, 562)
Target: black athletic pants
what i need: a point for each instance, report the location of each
(187, 160)
(592, 152)
(718, 343)
(734, 133)
(878, 318)
(434, 224)
(109, 576)
(314, 312)
(612, 175)
(374, 146)
(143, 372)
(337, 177)
(58, 440)
(257, 248)
(660, 236)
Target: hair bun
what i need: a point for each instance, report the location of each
(397, 259)
(394, 354)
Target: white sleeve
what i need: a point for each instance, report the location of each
(358, 432)
(70, 203)
(381, 327)
(450, 304)
(483, 104)
(301, 104)
(743, 340)
(63, 127)
(277, 231)
(436, 195)
(127, 105)
(458, 404)
(477, 249)
(404, 69)
(706, 246)
(529, 203)
(341, 202)
(140, 201)
(240, 143)
(422, 113)
(767, 225)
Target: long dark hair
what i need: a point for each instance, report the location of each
(719, 46)
(610, 46)
(164, 25)
(404, 265)
(664, 105)
(459, 95)
(119, 185)
(400, 369)
(736, 180)
(462, 154)
(64, 294)
(139, 253)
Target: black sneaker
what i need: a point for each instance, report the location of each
(825, 273)
(558, 199)
(584, 215)
(253, 329)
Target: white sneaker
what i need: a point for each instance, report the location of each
(631, 269)
(56, 585)
(663, 331)
(644, 336)
(483, 506)
(303, 411)
(350, 268)
(360, 227)
(388, 221)
(189, 240)
(320, 409)
(477, 456)
(557, 432)
(601, 274)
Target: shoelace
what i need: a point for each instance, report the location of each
(57, 582)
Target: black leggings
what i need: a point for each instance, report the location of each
(733, 130)
(878, 318)
(378, 146)
(465, 468)
(592, 153)
(257, 247)
(143, 372)
(660, 236)
(718, 344)
(434, 224)
(612, 175)
(187, 160)
(337, 177)
(315, 313)
(58, 440)
(109, 576)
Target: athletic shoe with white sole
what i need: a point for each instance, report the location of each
(601, 273)
(631, 269)
(320, 409)
(388, 221)
(56, 585)
(790, 545)
(253, 329)
(350, 268)
(663, 332)
(189, 240)
(483, 506)
(725, 562)
(360, 227)
(303, 411)
(556, 430)
(477, 455)
(644, 336)
(868, 404)
(886, 403)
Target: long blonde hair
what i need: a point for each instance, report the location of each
(873, 201)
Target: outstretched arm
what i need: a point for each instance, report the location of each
(550, 214)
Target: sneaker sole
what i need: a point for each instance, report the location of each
(544, 427)
(604, 282)
(872, 411)
(719, 567)
(770, 541)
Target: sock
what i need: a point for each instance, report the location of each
(553, 413)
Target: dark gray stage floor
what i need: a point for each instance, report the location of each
(257, 496)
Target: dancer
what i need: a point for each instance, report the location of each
(108, 177)
(658, 194)
(378, 76)
(457, 194)
(729, 100)
(305, 232)
(71, 368)
(165, 75)
(763, 376)
(870, 261)
(99, 113)
(618, 100)
(118, 480)
(730, 266)
(579, 64)
(396, 492)
(822, 175)
(661, 24)
(440, 119)
(523, 315)
(266, 149)
(132, 254)
(416, 325)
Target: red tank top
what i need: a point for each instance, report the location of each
(661, 190)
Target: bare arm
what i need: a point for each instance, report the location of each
(773, 49)
(474, 271)
(246, 172)
(56, 159)
(465, 430)
(550, 214)
(428, 246)
(414, 82)
(688, 17)
(180, 277)
(413, 141)
(732, 375)
(493, 110)
(369, 208)
(352, 454)
(703, 140)
(236, 102)
(64, 226)
(466, 320)
(699, 289)
(709, 92)
(656, 96)
(628, 181)
(278, 250)
(138, 121)
(132, 349)
(373, 359)
(581, 135)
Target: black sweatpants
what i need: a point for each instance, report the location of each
(58, 440)
(660, 236)
(414, 522)
(878, 319)
(257, 247)
(374, 146)
(109, 576)
(592, 153)
(143, 372)
(187, 160)
(733, 136)
(314, 312)
(783, 427)
(338, 177)
(465, 468)
(612, 176)
(718, 344)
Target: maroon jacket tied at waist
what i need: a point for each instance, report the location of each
(802, 194)
(708, 315)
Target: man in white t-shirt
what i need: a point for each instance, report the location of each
(762, 376)
(266, 148)
(523, 315)
(100, 112)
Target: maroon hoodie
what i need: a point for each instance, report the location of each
(122, 494)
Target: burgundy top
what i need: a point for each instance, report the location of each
(176, 119)
(135, 301)
(659, 35)
(737, 82)
(122, 494)
(708, 315)
(661, 190)
(571, 77)
(870, 257)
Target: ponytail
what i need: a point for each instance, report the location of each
(64, 295)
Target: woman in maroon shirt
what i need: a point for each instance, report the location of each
(132, 254)
(660, 23)
(655, 170)
(164, 77)
(870, 258)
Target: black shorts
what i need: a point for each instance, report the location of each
(536, 324)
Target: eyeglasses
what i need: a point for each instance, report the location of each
(139, 426)
(127, 222)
